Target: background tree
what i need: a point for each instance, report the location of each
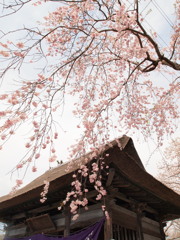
(170, 176)
(99, 53)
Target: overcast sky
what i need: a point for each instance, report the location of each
(13, 151)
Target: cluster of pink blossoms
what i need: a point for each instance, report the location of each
(87, 176)
(45, 191)
(19, 182)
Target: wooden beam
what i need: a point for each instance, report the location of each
(44, 208)
(136, 194)
(110, 177)
(120, 181)
(19, 215)
(116, 194)
(85, 218)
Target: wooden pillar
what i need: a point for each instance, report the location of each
(108, 227)
(138, 209)
(67, 216)
(139, 226)
(108, 233)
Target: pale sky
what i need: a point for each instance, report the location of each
(13, 151)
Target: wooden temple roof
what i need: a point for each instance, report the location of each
(127, 180)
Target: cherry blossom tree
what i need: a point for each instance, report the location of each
(169, 171)
(100, 53)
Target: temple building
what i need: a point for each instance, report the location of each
(137, 204)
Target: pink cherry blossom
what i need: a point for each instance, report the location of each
(19, 182)
(37, 155)
(28, 145)
(75, 217)
(20, 165)
(4, 53)
(34, 169)
(34, 104)
(20, 45)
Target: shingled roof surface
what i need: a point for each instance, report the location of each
(61, 170)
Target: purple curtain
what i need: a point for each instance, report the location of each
(90, 233)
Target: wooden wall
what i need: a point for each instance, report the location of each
(118, 215)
